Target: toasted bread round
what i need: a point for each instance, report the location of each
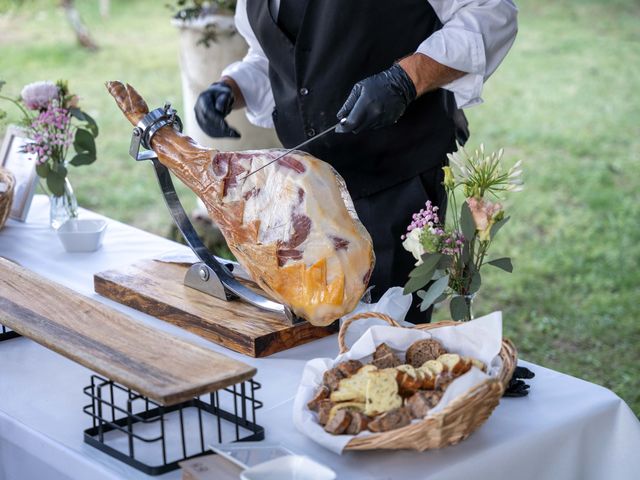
(424, 350)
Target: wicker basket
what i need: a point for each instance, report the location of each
(456, 421)
(6, 198)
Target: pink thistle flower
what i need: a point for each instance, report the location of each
(39, 95)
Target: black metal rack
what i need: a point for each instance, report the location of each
(153, 438)
(7, 333)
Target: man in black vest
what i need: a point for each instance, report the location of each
(398, 71)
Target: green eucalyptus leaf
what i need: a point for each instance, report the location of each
(427, 267)
(467, 225)
(82, 159)
(92, 125)
(415, 283)
(441, 298)
(85, 117)
(77, 113)
(436, 289)
(458, 308)
(476, 281)
(55, 182)
(445, 262)
(43, 170)
(466, 251)
(84, 142)
(497, 226)
(503, 263)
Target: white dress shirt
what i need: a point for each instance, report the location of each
(475, 37)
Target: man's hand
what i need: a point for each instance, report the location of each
(213, 105)
(380, 100)
(377, 101)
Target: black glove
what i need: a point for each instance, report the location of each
(517, 387)
(377, 101)
(212, 106)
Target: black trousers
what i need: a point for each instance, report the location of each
(386, 215)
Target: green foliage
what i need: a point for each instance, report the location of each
(467, 225)
(420, 275)
(458, 308)
(55, 179)
(502, 263)
(187, 9)
(92, 126)
(434, 292)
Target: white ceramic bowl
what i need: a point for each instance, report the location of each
(82, 235)
(289, 467)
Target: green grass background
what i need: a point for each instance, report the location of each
(565, 101)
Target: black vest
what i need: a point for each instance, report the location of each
(339, 43)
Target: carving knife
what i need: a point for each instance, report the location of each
(297, 147)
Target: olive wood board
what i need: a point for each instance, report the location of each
(157, 288)
(154, 363)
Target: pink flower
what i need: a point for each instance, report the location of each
(38, 95)
(484, 215)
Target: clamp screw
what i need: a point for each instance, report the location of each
(204, 274)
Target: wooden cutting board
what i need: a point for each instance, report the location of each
(158, 365)
(157, 288)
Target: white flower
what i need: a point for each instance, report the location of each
(413, 245)
(38, 95)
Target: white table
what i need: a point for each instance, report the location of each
(565, 429)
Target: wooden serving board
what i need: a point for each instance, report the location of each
(162, 367)
(157, 288)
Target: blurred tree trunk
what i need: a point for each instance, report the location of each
(82, 32)
(104, 8)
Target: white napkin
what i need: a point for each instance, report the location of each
(392, 303)
(480, 338)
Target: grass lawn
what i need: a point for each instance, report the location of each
(565, 101)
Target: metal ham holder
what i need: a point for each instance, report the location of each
(212, 275)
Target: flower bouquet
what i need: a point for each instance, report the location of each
(450, 257)
(54, 122)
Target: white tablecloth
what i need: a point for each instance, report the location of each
(565, 429)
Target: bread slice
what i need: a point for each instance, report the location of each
(428, 378)
(384, 357)
(455, 364)
(420, 403)
(350, 367)
(353, 388)
(331, 378)
(339, 423)
(478, 364)
(382, 393)
(409, 380)
(351, 406)
(434, 366)
(396, 418)
(424, 350)
(321, 394)
(359, 422)
(324, 409)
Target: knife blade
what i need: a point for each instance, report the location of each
(297, 147)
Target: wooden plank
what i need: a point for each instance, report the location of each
(162, 367)
(157, 288)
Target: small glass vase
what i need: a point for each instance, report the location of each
(468, 300)
(62, 207)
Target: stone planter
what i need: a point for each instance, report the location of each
(200, 66)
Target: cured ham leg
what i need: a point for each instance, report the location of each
(292, 225)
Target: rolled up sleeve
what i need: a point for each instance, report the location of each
(252, 74)
(475, 38)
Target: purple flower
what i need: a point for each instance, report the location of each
(39, 95)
